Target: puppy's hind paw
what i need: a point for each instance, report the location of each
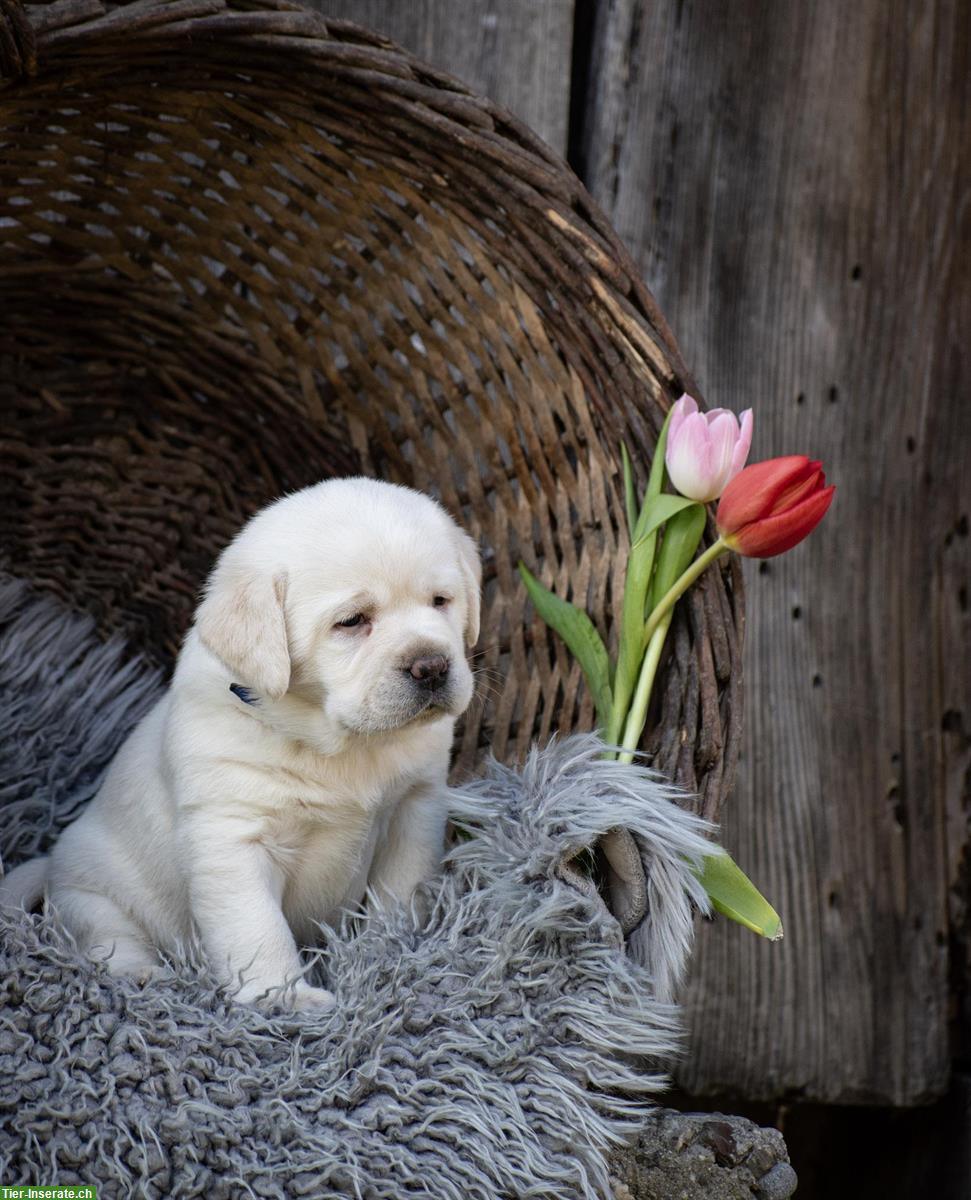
(128, 959)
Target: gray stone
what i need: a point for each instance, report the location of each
(703, 1156)
(777, 1184)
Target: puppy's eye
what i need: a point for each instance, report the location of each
(350, 622)
(440, 601)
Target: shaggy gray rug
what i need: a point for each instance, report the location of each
(499, 1046)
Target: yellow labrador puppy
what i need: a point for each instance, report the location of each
(299, 756)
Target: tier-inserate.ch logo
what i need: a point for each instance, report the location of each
(67, 1191)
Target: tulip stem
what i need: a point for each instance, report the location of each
(637, 716)
(667, 602)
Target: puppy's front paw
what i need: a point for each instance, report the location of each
(298, 996)
(302, 997)
(145, 975)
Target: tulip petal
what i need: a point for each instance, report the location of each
(688, 458)
(800, 489)
(722, 436)
(682, 408)
(755, 491)
(742, 445)
(775, 534)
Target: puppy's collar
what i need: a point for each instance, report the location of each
(243, 693)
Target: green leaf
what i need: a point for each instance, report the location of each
(640, 564)
(657, 510)
(577, 630)
(734, 895)
(630, 496)
(682, 534)
(655, 481)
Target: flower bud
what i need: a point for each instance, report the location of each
(705, 450)
(770, 506)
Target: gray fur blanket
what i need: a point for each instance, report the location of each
(499, 1045)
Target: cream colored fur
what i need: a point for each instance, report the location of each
(249, 823)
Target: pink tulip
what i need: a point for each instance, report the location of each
(705, 450)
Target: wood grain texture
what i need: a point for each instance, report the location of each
(517, 54)
(793, 180)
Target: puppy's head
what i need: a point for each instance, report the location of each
(356, 596)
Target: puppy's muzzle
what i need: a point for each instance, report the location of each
(430, 673)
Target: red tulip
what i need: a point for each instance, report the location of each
(770, 506)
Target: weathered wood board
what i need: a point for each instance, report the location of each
(516, 53)
(790, 178)
(793, 179)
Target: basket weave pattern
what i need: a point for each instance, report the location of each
(243, 248)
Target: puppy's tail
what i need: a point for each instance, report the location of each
(23, 887)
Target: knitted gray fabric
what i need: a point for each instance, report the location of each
(497, 1046)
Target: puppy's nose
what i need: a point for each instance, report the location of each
(430, 671)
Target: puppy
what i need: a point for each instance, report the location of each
(297, 761)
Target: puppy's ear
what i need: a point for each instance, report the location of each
(242, 621)
(472, 574)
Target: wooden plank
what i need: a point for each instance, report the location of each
(793, 180)
(517, 54)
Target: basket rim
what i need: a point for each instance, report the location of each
(69, 36)
(39, 38)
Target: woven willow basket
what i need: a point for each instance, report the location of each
(244, 248)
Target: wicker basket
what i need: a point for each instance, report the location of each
(244, 248)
